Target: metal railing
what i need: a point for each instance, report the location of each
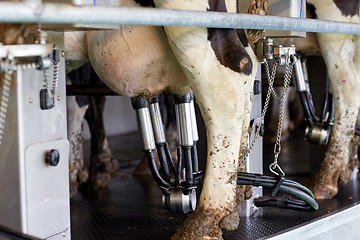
(18, 12)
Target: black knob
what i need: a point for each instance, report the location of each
(52, 157)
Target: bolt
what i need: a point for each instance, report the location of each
(30, 100)
(63, 53)
(52, 157)
(58, 98)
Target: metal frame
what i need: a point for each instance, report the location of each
(35, 194)
(336, 226)
(66, 13)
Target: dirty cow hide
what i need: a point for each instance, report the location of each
(102, 164)
(342, 58)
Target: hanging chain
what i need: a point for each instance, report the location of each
(9, 66)
(55, 77)
(275, 167)
(51, 86)
(266, 105)
(271, 77)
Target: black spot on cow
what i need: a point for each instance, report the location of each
(348, 7)
(229, 44)
(312, 10)
(145, 3)
(81, 76)
(84, 75)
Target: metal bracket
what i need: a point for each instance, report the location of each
(26, 50)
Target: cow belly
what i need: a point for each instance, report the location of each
(134, 60)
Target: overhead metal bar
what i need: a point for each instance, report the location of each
(19, 12)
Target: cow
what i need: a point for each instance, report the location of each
(341, 56)
(218, 65)
(102, 163)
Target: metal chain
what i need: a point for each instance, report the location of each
(9, 69)
(287, 79)
(55, 77)
(51, 86)
(275, 167)
(270, 79)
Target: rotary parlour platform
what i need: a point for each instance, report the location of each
(130, 208)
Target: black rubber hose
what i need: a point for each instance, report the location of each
(163, 162)
(301, 195)
(178, 167)
(308, 107)
(357, 130)
(195, 159)
(267, 181)
(169, 158)
(164, 186)
(289, 186)
(188, 168)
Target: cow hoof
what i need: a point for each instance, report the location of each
(83, 175)
(231, 221)
(324, 191)
(101, 180)
(201, 224)
(114, 165)
(73, 188)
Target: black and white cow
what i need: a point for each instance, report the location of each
(217, 64)
(97, 173)
(342, 58)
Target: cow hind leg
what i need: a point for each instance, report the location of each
(77, 170)
(102, 164)
(337, 165)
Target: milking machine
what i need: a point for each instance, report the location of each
(178, 180)
(318, 128)
(34, 148)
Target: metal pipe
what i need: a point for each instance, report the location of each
(156, 121)
(66, 13)
(299, 84)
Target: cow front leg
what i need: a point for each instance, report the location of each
(223, 121)
(220, 94)
(231, 221)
